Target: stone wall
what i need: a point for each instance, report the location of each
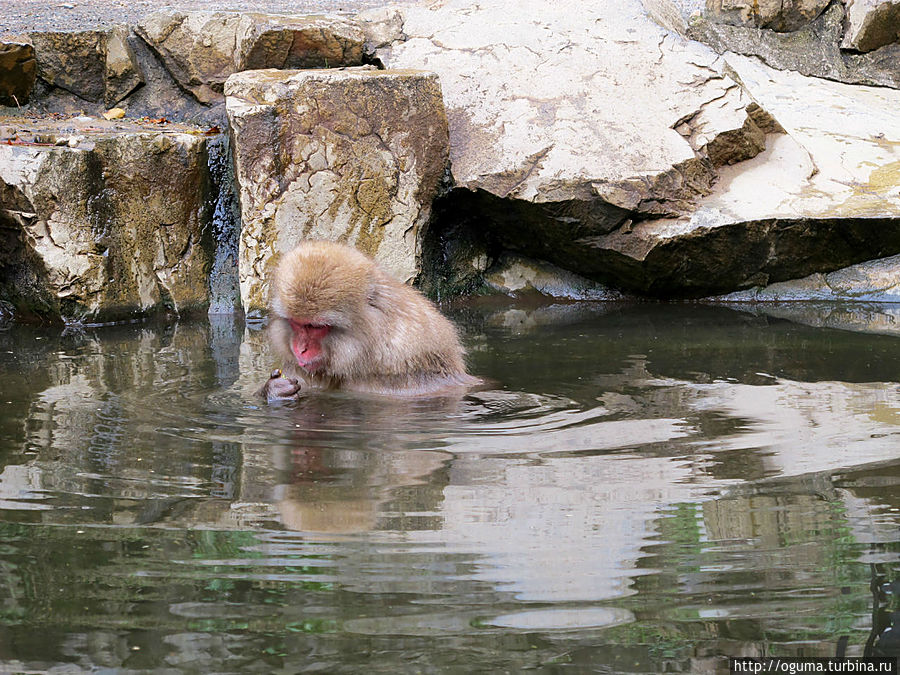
(665, 148)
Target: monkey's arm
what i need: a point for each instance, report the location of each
(280, 388)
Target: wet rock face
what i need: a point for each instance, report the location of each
(107, 225)
(201, 49)
(17, 71)
(95, 65)
(355, 155)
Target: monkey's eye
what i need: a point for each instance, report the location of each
(300, 324)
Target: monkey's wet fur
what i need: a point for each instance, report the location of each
(341, 322)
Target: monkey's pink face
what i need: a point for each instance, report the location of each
(306, 343)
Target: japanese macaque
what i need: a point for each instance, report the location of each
(342, 322)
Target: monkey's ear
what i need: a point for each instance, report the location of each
(377, 295)
(372, 295)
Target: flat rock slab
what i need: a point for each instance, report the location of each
(568, 101)
(354, 155)
(103, 221)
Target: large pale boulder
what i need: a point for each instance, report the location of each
(823, 196)
(695, 173)
(201, 49)
(541, 109)
(353, 155)
(104, 222)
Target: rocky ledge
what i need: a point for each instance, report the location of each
(665, 148)
(104, 220)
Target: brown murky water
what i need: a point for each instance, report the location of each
(643, 489)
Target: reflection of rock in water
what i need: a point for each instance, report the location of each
(519, 319)
(888, 642)
(106, 413)
(884, 636)
(861, 317)
(315, 512)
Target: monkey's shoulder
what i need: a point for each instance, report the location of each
(417, 385)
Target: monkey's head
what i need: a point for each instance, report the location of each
(320, 294)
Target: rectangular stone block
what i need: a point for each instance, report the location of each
(353, 155)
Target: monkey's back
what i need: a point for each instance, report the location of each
(421, 348)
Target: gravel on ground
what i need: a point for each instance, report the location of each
(22, 16)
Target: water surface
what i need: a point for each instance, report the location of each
(640, 489)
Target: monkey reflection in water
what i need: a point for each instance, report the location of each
(334, 492)
(340, 322)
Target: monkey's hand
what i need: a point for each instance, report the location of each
(280, 388)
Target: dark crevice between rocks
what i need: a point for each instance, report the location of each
(224, 229)
(370, 59)
(739, 255)
(472, 229)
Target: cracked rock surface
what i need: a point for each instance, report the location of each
(544, 106)
(822, 196)
(101, 221)
(201, 49)
(354, 155)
